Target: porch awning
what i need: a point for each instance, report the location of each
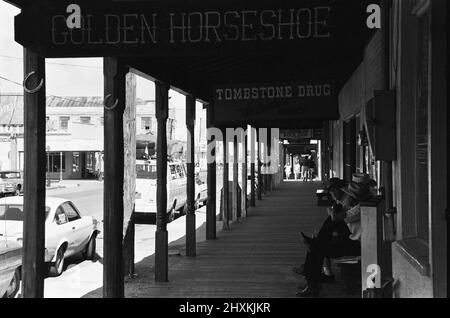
(74, 145)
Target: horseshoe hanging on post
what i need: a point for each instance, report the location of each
(35, 90)
(106, 100)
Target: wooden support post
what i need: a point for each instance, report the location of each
(269, 184)
(33, 267)
(190, 212)
(128, 248)
(114, 88)
(235, 195)
(260, 178)
(161, 236)
(263, 167)
(226, 195)
(244, 177)
(252, 168)
(211, 180)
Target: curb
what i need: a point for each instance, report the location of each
(63, 186)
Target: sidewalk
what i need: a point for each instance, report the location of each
(70, 184)
(254, 258)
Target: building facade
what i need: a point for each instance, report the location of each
(414, 74)
(74, 133)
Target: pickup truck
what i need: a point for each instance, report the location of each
(11, 182)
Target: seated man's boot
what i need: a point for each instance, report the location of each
(310, 291)
(327, 276)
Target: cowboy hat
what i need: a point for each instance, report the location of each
(335, 183)
(363, 178)
(357, 191)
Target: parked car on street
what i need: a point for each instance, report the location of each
(66, 231)
(201, 191)
(11, 182)
(145, 198)
(10, 267)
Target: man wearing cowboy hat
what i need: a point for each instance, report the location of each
(331, 225)
(345, 220)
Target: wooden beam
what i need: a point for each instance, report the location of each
(252, 167)
(211, 180)
(235, 195)
(129, 247)
(129, 124)
(269, 184)
(161, 236)
(260, 178)
(190, 212)
(438, 150)
(113, 207)
(33, 267)
(244, 176)
(226, 195)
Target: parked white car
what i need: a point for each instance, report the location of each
(66, 232)
(145, 199)
(10, 267)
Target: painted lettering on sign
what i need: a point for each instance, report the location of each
(273, 92)
(193, 27)
(118, 29)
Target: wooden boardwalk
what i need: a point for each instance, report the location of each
(253, 259)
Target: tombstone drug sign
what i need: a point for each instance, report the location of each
(286, 101)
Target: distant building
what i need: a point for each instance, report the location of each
(74, 133)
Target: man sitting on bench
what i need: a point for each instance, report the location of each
(344, 219)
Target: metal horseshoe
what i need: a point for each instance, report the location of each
(35, 90)
(110, 107)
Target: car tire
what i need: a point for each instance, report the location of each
(57, 267)
(14, 285)
(89, 253)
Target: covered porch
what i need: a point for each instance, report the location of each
(253, 259)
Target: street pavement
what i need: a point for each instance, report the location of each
(87, 195)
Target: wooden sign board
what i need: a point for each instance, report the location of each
(180, 28)
(296, 133)
(301, 134)
(286, 102)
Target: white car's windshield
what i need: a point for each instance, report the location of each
(146, 171)
(14, 212)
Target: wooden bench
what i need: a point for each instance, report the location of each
(351, 273)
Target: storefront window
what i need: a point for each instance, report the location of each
(64, 122)
(56, 162)
(75, 162)
(85, 119)
(146, 123)
(90, 161)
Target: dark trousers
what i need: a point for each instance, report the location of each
(327, 245)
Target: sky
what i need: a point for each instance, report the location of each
(65, 77)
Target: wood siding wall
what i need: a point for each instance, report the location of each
(354, 95)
